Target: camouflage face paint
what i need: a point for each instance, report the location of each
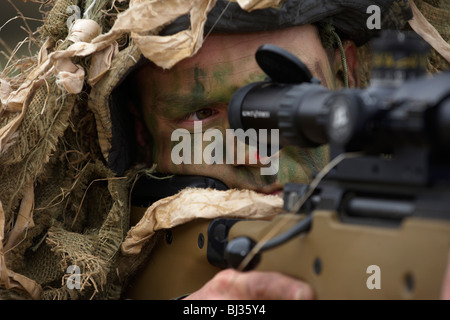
(206, 82)
(198, 91)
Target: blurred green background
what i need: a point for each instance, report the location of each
(14, 28)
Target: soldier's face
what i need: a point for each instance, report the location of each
(196, 92)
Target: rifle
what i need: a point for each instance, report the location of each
(375, 224)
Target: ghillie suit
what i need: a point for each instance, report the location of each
(67, 166)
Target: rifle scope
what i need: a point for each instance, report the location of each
(401, 106)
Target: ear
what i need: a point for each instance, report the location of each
(351, 60)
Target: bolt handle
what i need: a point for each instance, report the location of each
(237, 250)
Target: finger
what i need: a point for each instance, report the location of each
(445, 294)
(253, 285)
(275, 286)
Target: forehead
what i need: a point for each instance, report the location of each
(226, 62)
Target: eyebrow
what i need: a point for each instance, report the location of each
(176, 106)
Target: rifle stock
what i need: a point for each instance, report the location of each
(334, 257)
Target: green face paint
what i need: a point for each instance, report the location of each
(207, 81)
(222, 73)
(198, 91)
(220, 89)
(256, 77)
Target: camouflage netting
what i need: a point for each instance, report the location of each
(437, 12)
(60, 204)
(56, 161)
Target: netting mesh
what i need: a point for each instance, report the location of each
(56, 20)
(80, 210)
(438, 13)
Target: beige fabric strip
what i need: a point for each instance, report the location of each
(424, 28)
(250, 5)
(8, 278)
(192, 203)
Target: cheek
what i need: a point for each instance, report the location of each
(161, 146)
(298, 165)
(162, 155)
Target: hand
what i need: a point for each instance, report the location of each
(230, 284)
(445, 293)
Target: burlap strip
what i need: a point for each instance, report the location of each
(424, 28)
(192, 203)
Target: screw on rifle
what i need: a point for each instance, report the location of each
(169, 237)
(409, 282)
(201, 240)
(317, 266)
